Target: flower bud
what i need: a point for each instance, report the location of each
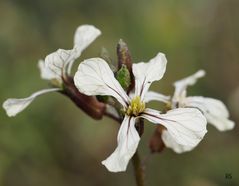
(123, 77)
(124, 58)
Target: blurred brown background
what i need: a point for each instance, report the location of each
(52, 143)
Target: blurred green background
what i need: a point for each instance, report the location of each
(53, 143)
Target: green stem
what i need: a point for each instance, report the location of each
(138, 169)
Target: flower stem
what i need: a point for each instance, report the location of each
(138, 169)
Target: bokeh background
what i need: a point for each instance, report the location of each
(53, 143)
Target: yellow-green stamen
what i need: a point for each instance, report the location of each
(136, 107)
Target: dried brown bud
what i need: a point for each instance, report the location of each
(156, 143)
(89, 104)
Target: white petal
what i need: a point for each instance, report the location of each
(14, 106)
(170, 142)
(128, 140)
(146, 73)
(214, 110)
(94, 77)
(181, 85)
(187, 126)
(84, 36)
(154, 96)
(57, 61)
(46, 73)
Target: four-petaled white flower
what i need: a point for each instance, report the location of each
(187, 126)
(214, 110)
(56, 66)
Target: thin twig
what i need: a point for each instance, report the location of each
(138, 169)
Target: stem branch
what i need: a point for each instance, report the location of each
(138, 169)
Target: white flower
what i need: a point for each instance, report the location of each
(94, 77)
(214, 110)
(55, 67)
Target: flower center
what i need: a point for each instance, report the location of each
(136, 107)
